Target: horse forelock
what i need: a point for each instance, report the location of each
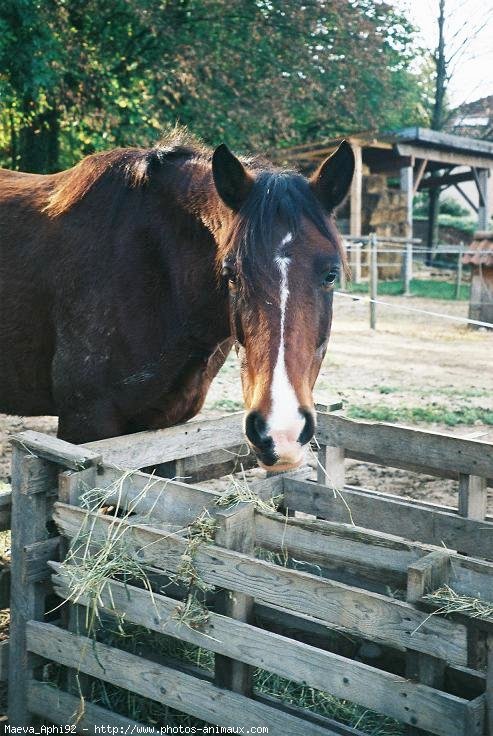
(280, 203)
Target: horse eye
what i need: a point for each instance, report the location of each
(229, 274)
(329, 278)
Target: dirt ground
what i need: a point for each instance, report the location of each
(410, 361)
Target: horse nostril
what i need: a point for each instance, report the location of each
(309, 429)
(255, 428)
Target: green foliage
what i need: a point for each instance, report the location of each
(449, 206)
(466, 225)
(77, 76)
(420, 205)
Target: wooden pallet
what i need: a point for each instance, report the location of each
(287, 621)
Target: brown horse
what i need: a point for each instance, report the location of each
(126, 280)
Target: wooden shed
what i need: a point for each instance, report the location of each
(480, 257)
(416, 159)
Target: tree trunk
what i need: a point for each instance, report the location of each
(432, 239)
(13, 142)
(39, 145)
(441, 72)
(437, 124)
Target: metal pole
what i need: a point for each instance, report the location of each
(484, 205)
(373, 280)
(459, 272)
(408, 268)
(342, 274)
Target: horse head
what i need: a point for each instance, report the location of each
(280, 254)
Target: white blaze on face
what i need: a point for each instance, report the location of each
(284, 423)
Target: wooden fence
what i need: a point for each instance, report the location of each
(5, 504)
(290, 622)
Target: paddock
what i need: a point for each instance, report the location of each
(280, 591)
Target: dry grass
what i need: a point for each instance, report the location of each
(91, 565)
(192, 612)
(201, 531)
(240, 492)
(448, 602)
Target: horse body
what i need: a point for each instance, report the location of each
(102, 323)
(115, 316)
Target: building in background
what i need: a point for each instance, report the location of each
(473, 119)
(480, 258)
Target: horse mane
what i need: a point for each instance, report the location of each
(131, 166)
(277, 196)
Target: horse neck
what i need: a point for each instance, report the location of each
(197, 195)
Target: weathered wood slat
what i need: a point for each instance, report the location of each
(143, 449)
(5, 510)
(395, 444)
(368, 614)
(5, 586)
(405, 465)
(35, 478)
(36, 557)
(163, 499)
(338, 729)
(235, 530)
(427, 574)
(372, 555)
(426, 505)
(342, 677)
(57, 451)
(198, 437)
(171, 687)
(29, 516)
(64, 709)
(4, 660)
(489, 686)
(422, 575)
(398, 517)
(473, 496)
(471, 577)
(217, 463)
(335, 546)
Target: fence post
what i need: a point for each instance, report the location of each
(71, 486)
(32, 479)
(373, 279)
(472, 505)
(236, 531)
(408, 268)
(459, 272)
(489, 686)
(423, 576)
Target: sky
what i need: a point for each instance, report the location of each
(469, 21)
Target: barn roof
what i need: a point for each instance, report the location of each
(437, 139)
(387, 151)
(482, 250)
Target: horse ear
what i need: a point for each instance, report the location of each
(332, 179)
(233, 182)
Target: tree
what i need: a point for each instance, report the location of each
(448, 53)
(81, 75)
